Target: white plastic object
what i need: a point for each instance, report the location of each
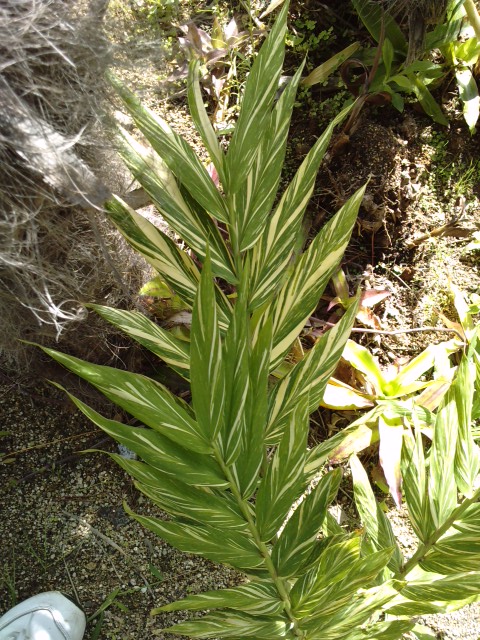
(46, 616)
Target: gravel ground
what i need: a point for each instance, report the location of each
(62, 526)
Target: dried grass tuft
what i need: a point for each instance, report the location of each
(55, 251)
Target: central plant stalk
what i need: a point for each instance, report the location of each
(278, 581)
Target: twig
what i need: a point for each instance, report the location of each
(397, 332)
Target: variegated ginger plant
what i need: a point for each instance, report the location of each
(232, 469)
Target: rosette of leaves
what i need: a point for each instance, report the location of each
(232, 469)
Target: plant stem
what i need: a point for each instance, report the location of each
(425, 547)
(262, 547)
(473, 17)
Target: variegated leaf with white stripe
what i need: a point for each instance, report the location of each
(228, 547)
(158, 451)
(143, 398)
(456, 587)
(442, 488)
(246, 468)
(175, 352)
(299, 296)
(373, 519)
(175, 151)
(255, 598)
(180, 499)
(207, 369)
(309, 376)
(202, 121)
(196, 229)
(291, 552)
(284, 480)
(255, 199)
(415, 485)
(158, 249)
(273, 251)
(453, 554)
(233, 624)
(260, 89)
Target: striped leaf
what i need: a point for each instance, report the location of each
(237, 379)
(291, 552)
(284, 479)
(175, 151)
(195, 227)
(442, 488)
(207, 372)
(254, 201)
(159, 250)
(456, 587)
(453, 554)
(351, 616)
(202, 121)
(309, 377)
(469, 522)
(415, 485)
(273, 252)
(260, 89)
(227, 547)
(143, 398)
(333, 566)
(299, 296)
(467, 461)
(329, 596)
(373, 519)
(392, 630)
(158, 452)
(175, 352)
(247, 467)
(233, 624)
(180, 499)
(255, 598)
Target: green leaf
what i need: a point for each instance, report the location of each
(175, 352)
(237, 380)
(467, 461)
(180, 499)
(427, 101)
(284, 479)
(176, 267)
(159, 452)
(362, 359)
(390, 430)
(291, 552)
(371, 14)
(393, 630)
(453, 554)
(388, 54)
(468, 93)
(175, 152)
(207, 373)
(415, 487)
(233, 624)
(273, 251)
(442, 488)
(456, 587)
(254, 201)
(248, 465)
(299, 296)
(143, 398)
(325, 70)
(310, 376)
(260, 89)
(194, 226)
(202, 121)
(256, 598)
(373, 519)
(227, 547)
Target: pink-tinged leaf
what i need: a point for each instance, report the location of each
(363, 436)
(212, 172)
(368, 318)
(391, 439)
(231, 30)
(371, 297)
(432, 396)
(334, 302)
